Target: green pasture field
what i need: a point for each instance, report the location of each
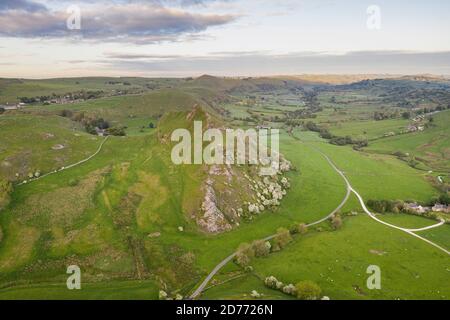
(431, 146)
(338, 260)
(368, 129)
(31, 143)
(440, 235)
(116, 290)
(406, 220)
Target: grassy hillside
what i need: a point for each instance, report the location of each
(32, 143)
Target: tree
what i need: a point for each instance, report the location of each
(151, 125)
(273, 283)
(308, 290)
(2, 110)
(244, 254)
(117, 131)
(300, 228)
(282, 238)
(261, 248)
(444, 199)
(336, 222)
(66, 114)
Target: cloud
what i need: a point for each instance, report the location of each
(248, 64)
(135, 22)
(25, 5)
(133, 56)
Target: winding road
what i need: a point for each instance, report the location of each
(350, 189)
(69, 166)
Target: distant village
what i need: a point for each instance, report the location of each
(15, 106)
(423, 209)
(67, 98)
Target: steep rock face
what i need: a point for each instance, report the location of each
(213, 219)
(236, 193)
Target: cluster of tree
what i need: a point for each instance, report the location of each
(28, 100)
(116, 131)
(282, 239)
(347, 140)
(2, 110)
(246, 119)
(71, 96)
(92, 123)
(273, 283)
(298, 228)
(382, 206)
(443, 198)
(395, 206)
(246, 252)
(311, 126)
(383, 115)
(311, 101)
(294, 122)
(304, 290)
(308, 290)
(260, 248)
(301, 114)
(339, 141)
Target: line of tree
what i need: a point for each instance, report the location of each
(260, 248)
(304, 290)
(336, 140)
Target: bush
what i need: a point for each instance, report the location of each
(66, 114)
(308, 290)
(244, 254)
(73, 182)
(290, 289)
(117, 131)
(336, 222)
(444, 199)
(282, 238)
(162, 295)
(299, 228)
(261, 248)
(273, 283)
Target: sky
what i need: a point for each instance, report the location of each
(179, 38)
